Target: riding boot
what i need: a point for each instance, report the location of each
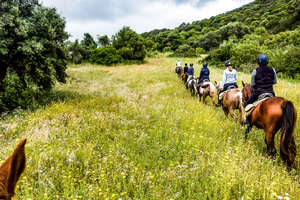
(219, 102)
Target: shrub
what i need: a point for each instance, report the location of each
(107, 55)
(185, 51)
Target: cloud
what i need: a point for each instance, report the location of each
(100, 17)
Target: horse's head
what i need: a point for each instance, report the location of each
(11, 170)
(218, 85)
(246, 91)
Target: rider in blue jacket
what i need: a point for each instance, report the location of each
(190, 74)
(204, 74)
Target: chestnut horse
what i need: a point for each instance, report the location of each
(184, 77)
(232, 100)
(271, 115)
(205, 90)
(11, 170)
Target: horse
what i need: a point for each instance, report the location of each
(271, 115)
(191, 86)
(178, 71)
(184, 77)
(205, 90)
(11, 170)
(232, 100)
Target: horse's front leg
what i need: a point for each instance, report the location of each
(212, 96)
(204, 97)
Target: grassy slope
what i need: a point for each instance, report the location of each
(134, 132)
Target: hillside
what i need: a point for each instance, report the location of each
(134, 132)
(263, 26)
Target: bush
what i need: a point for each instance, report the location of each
(107, 55)
(200, 51)
(185, 51)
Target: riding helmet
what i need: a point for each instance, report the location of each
(205, 64)
(191, 64)
(228, 63)
(185, 64)
(263, 59)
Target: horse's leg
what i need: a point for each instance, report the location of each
(270, 132)
(225, 109)
(247, 131)
(231, 111)
(212, 96)
(204, 97)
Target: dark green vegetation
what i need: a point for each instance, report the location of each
(263, 26)
(33, 55)
(126, 46)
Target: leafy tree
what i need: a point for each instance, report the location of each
(87, 44)
(103, 40)
(76, 52)
(130, 44)
(185, 51)
(32, 48)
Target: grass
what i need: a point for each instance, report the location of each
(134, 132)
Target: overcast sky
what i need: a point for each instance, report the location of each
(99, 17)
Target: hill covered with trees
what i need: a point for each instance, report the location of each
(263, 26)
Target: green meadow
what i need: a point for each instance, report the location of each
(135, 132)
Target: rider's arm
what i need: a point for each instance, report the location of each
(275, 77)
(235, 75)
(253, 78)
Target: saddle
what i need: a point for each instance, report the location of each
(205, 83)
(250, 107)
(222, 94)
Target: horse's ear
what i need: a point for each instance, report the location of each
(12, 168)
(216, 82)
(243, 83)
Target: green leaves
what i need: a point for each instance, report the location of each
(32, 50)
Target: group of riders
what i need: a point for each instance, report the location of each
(262, 80)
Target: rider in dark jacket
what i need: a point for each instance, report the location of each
(191, 70)
(204, 74)
(185, 69)
(262, 80)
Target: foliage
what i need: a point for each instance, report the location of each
(76, 52)
(103, 40)
(185, 51)
(130, 44)
(31, 47)
(107, 55)
(87, 44)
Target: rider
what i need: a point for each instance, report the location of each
(262, 80)
(204, 74)
(178, 63)
(190, 73)
(229, 79)
(185, 69)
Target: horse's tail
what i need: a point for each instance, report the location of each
(287, 142)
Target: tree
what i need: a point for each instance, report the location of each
(32, 48)
(76, 52)
(103, 40)
(130, 45)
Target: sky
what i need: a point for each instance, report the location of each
(99, 17)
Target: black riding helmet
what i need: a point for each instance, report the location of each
(185, 64)
(228, 63)
(263, 59)
(205, 64)
(191, 65)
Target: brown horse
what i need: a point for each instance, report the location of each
(232, 100)
(11, 170)
(206, 89)
(178, 71)
(184, 77)
(271, 115)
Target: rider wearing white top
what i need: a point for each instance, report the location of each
(178, 63)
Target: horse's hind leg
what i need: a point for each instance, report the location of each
(247, 131)
(231, 111)
(271, 150)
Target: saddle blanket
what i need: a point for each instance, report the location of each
(250, 107)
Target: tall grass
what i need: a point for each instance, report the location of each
(134, 132)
